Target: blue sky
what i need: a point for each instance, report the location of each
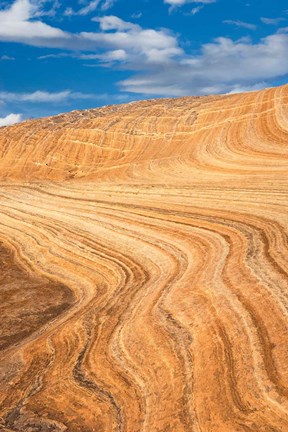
(58, 56)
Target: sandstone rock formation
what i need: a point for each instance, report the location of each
(143, 268)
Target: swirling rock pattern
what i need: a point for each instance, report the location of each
(143, 268)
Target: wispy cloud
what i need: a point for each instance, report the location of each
(282, 30)
(55, 56)
(86, 10)
(48, 8)
(10, 119)
(183, 2)
(43, 96)
(91, 7)
(174, 4)
(272, 21)
(136, 15)
(247, 88)
(242, 24)
(108, 4)
(196, 10)
(6, 58)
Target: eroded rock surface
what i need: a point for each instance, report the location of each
(143, 268)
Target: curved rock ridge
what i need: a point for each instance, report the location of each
(151, 140)
(143, 268)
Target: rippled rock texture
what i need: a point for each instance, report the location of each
(143, 268)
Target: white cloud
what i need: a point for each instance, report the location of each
(109, 56)
(120, 41)
(16, 26)
(222, 66)
(239, 23)
(160, 66)
(43, 96)
(141, 46)
(114, 23)
(10, 119)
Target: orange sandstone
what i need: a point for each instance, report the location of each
(143, 267)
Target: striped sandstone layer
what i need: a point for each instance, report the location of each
(143, 268)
